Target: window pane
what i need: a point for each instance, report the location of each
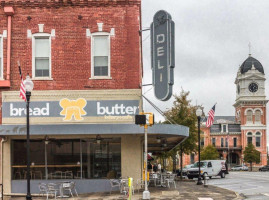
(19, 159)
(101, 46)
(42, 67)
(250, 140)
(249, 116)
(63, 157)
(235, 142)
(258, 116)
(202, 142)
(100, 61)
(258, 141)
(42, 47)
(100, 71)
(222, 142)
(42, 63)
(101, 160)
(224, 128)
(214, 141)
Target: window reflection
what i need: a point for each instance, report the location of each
(68, 159)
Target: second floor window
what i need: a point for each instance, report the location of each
(202, 141)
(224, 128)
(226, 142)
(257, 116)
(258, 139)
(249, 137)
(235, 142)
(214, 142)
(249, 116)
(100, 56)
(41, 56)
(222, 142)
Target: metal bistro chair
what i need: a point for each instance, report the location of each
(115, 183)
(42, 188)
(50, 188)
(70, 186)
(153, 178)
(124, 187)
(171, 179)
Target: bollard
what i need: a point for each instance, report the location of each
(205, 180)
(130, 185)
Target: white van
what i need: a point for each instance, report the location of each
(209, 168)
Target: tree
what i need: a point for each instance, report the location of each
(209, 153)
(251, 155)
(184, 113)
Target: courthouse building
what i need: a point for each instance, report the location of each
(85, 60)
(231, 134)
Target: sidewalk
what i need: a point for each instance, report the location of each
(185, 191)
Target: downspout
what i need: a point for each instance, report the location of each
(9, 11)
(2, 179)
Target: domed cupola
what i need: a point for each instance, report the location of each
(248, 63)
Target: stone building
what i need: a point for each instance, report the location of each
(231, 134)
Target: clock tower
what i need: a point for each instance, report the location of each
(250, 106)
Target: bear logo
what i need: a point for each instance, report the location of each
(73, 108)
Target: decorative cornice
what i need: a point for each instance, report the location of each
(46, 95)
(250, 102)
(253, 127)
(66, 3)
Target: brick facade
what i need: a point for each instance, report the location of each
(71, 48)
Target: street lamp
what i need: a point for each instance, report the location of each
(29, 85)
(199, 114)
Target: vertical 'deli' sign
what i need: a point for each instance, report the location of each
(162, 54)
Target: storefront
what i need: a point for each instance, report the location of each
(85, 136)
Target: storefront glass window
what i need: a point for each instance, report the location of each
(19, 159)
(68, 159)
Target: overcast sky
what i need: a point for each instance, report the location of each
(211, 39)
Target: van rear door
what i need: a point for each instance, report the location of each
(209, 169)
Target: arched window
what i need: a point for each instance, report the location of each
(258, 139)
(249, 137)
(257, 116)
(249, 116)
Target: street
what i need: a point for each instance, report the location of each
(253, 185)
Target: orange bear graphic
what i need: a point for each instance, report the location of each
(73, 108)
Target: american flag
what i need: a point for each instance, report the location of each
(210, 118)
(22, 88)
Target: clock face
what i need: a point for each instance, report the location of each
(253, 87)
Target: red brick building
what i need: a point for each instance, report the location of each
(231, 134)
(84, 58)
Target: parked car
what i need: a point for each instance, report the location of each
(240, 168)
(208, 168)
(184, 170)
(264, 168)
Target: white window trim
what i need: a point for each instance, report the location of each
(258, 132)
(226, 128)
(92, 56)
(260, 136)
(248, 110)
(2, 56)
(40, 35)
(259, 110)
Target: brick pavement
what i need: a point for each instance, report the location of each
(185, 191)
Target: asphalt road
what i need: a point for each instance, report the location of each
(252, 185)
